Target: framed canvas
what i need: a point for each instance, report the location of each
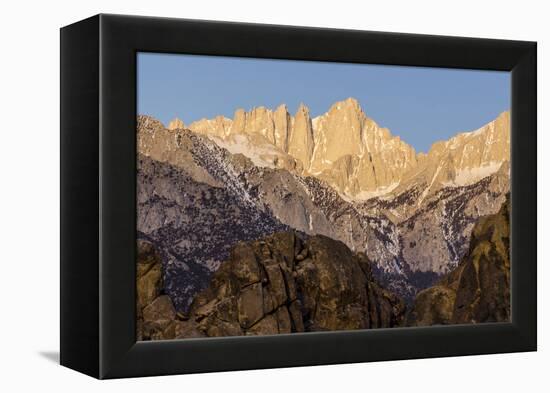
(328, 196)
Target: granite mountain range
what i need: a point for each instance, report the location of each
(205, 187)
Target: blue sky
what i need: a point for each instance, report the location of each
(421, 105)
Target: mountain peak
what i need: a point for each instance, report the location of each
(301, 141)
(302, 108)
(352, 101)
(349, 103)
(176, 124)
(282, 108)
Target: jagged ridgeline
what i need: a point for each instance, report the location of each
(204, 188)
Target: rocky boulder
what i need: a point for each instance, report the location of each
(149, 274)
(478, 290)
(283, 284)
(154, 310)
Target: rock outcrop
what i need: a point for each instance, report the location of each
(176, 124)
(154, 309)
(478, 290)
(283, 284)
(355, 155)
(301, 142)
(220, 126)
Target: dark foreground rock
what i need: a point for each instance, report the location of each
(154, 310)
(283, 284)
(478, 290)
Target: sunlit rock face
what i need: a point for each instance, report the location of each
(358, 158)
(355, 155)
(176, 124)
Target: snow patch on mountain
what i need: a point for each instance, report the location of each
(240, 144)
(365, 195)
(471, 175)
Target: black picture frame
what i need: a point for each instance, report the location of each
(98, 189)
